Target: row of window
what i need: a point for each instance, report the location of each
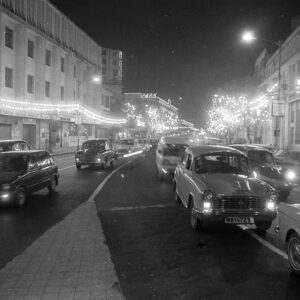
(9, 42)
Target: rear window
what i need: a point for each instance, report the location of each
(94, 145)
(127, 142)
(11, 163)
(4, 148)
(174, 149)
(260, 156)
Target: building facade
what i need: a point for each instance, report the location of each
(150, 114)
(51, 92)
(280, 103)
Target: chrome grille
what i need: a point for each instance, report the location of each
(238, 202)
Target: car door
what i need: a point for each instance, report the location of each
(32, 177)
(46, 169)
(187, 177)
(179, 174)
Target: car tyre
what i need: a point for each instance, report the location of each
(294, 253)
(263, 226)
(112, 163)
(78, 166)
(20, 196)
(196, 224)
(52, 185)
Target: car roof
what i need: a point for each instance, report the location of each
(96, 140)
(205, 149)
(22, 152)
(174, 140)
(11, 141)
(246, 147)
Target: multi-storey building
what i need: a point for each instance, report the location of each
(282, 127)
(51, 88)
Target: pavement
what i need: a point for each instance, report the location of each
(69, 261)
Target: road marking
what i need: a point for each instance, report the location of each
(69, 167)
(101, 185)
(264, 242)
(119, 208)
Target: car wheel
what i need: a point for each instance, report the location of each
(20, 196)
(78, 166)
(294, 253)
(263, 226)
(194, 220)
(52, 185)
(112, 163)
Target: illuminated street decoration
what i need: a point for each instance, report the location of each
(15, 106)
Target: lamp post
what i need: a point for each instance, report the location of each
(249, 37)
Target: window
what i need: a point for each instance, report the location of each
(104, 61)
(30, 84)
(8, 77)
(62, 93)
(48, 57)
(9, 38)
(30, 49)
(104, 71)
(47, 89)
(114, 62)
(189, 162)
(74, 95)
(74, 71)
(105, 101)
(114, 54)
(115, 72)
(103, 52)
(62, 64)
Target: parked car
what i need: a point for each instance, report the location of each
(144, 144)
(168, 154)
(13, 145)
(264, 167)
(153, 143)
(214, 182)
(288, 229)
(95, 152)
(124, 146)
(23, 172)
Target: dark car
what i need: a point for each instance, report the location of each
(23, 172)
(264, 167)
(13, 145)
(95, 152)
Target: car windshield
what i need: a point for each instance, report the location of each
(174, 149)
(12, 163)
(262, 157)
(221, 163)
(127, 142)
(94, 145)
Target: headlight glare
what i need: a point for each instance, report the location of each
(290, 175)
(206, 205)
(270, 205)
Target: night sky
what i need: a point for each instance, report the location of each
(182, 48)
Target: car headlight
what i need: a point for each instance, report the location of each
(207, 201)
(271, 200)
(206, 205)
(5, 187)
(290, 175)
(77, 159)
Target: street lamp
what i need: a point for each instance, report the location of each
(248, 37)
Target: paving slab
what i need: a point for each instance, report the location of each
(69, 261)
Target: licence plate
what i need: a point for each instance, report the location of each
(239, 220)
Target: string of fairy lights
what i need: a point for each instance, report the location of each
(152, 116)
(16, 106)
(229, 113)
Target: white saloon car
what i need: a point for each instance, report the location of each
(214, 183)
(289, 232)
